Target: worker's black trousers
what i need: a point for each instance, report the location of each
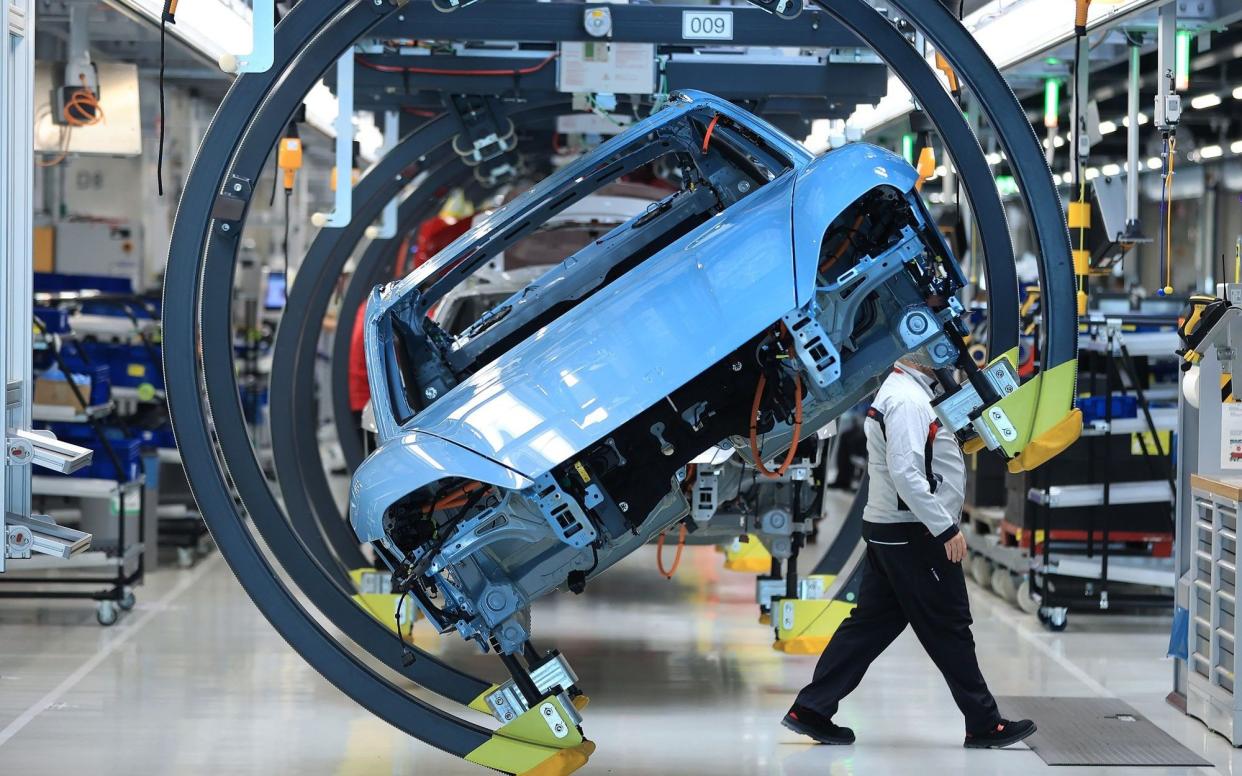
(907, 579)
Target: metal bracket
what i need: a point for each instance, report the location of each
(41, 534)
(705, 498)
(769, 590)
(785, 9)
(815, 350)
(507, 702)
(448, 6)
(263, 46)
(18, 451)
(343, 201)
(387, 227)
(958, 410)
(484, 134)
(482, 531)
(230, 205)
(43, 449)
(563, 513)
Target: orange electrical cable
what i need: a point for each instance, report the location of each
(681, 545)
(707, 136)
(754, 431)
(82, 109)
(456, 498)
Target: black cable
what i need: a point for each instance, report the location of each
(407, 654)
(271, 203)
(285, 247)
(159, 162)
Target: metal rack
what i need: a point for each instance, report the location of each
(113, 591)
(1099, 573)
(105, 504)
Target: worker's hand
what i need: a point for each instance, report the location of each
(955, 548)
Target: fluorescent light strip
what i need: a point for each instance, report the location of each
(1205, 101)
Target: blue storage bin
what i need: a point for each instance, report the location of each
(158, 437)
(134, 365)
(1093, 407)
(99, 386)
(56, 281)
(54, 320)
(128, 450)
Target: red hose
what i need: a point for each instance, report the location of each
(707, 136)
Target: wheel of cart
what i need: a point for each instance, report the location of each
(1004, 584)
(1054, 618)
(107, 613)
(127, 599)
(1026, 601)
(981, 570)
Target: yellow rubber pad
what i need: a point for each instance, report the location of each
(749, 557)
(528, 745)
(1048, 445)
(804, 627)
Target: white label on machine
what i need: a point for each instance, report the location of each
(707, 25)
(1231, 436)
(605, 67)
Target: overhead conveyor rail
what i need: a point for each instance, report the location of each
(212, 435)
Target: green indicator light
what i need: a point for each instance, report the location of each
(1052, 103)
(1007, 185)
(1183, 60)
(907, 147)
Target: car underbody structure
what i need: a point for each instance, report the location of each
(681, 369)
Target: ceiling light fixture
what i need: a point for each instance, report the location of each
(1205, 101)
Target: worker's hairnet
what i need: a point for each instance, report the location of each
(919, 358)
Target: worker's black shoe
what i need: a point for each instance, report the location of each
(814, 725)
(1005, 732)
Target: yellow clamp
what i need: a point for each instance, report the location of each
(543, 741)
(804, 627)
(1037, 421)
(749, 557)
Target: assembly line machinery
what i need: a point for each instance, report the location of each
(539, 706)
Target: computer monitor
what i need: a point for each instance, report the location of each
(274, 291)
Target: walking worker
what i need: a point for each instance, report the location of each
(912, 573)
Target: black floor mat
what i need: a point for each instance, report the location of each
(1096, 731)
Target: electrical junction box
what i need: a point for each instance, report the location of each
(601, 66)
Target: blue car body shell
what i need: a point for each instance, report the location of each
(638, 339)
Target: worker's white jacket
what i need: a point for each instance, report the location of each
(901, 427)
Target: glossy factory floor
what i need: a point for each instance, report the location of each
(682, 680)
